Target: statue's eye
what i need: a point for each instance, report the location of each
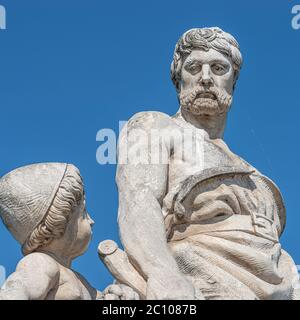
(218, 68)
(193, 68)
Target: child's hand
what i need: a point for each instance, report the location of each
(119, 292)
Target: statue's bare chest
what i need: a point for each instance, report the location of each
(196, 154)
(71, 286)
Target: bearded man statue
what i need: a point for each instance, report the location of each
(204, 224)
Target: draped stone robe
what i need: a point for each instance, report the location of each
(230, 256)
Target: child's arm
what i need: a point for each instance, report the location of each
(35, 275)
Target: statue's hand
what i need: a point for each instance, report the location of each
(119, 292)
(169, 287)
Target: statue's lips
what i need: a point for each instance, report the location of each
(206, 95)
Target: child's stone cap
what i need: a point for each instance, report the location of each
(26, 195)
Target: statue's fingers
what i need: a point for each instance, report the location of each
(128, 294)
(115, 289)
(106, 290)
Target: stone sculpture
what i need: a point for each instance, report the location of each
(43, 206)
(204, 224)
(196, 221)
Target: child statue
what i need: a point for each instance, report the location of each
(43, 206)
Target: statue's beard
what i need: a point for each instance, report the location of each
(201, 101)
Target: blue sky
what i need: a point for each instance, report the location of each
(71, 68)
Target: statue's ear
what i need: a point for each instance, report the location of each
(175, 72)
(235, 79)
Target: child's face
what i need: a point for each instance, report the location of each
(81, 224)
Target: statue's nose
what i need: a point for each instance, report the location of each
(206, 79)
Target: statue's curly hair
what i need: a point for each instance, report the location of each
(68, 196)
(205, 39)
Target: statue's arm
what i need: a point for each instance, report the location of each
(140, 219)
(142, 188)
(35, 275)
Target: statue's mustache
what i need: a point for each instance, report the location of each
(201, 99)
(201, 92)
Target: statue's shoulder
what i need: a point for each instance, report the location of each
(149, 120)
(38, 262)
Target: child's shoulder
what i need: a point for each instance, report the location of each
(38, 261)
